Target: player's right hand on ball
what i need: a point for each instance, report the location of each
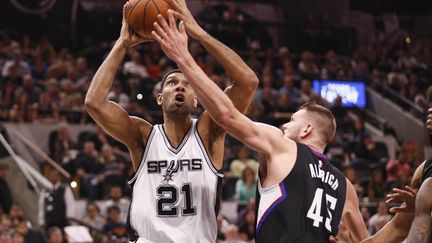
(127, 35)
(183, 13)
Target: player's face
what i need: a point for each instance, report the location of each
(177, 95)
(294, 128)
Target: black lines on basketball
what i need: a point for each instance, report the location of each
(144, 16)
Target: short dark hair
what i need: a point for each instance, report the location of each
(326, 119)
(164, 78)
(113, 207)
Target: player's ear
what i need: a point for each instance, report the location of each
(306, 131)
(159, 98)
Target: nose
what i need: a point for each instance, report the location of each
(180, 87)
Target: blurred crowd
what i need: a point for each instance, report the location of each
(41, 82)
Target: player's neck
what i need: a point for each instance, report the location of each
(315, 146)
(176, 128)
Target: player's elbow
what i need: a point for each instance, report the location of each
(253, 82)
(90, 103)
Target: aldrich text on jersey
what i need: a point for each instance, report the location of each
(325, 176)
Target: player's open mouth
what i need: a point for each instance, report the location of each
(179, 99)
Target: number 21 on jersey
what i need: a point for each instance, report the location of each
(169, 195)
(314, 211)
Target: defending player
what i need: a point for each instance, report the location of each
(301, 196)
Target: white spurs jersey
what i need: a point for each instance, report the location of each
(175, 191)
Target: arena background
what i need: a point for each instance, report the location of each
(377, 56)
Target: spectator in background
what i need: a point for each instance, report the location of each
(396, 167)
(114, 169)
(6, 198)
(247, 231)
(377, 186)
(22, 233)
(28, 88)
(307, 66)
(289, 89)
(341, 114)
(306, 92)
(246, 186)
(115, 229)
(87, 167)
(134, 67)
(55, 235)
(56, 204)
(117, 95)
(371, 151)
(242, 161)
(378, 220)
(359, 130)
(61, 143)
(116, 199)
(21, 67)
(351, 175)
(93, 217)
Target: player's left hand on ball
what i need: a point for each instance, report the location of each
(127, 35)
(407, 196)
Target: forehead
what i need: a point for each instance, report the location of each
(299, 114)
(176, 76)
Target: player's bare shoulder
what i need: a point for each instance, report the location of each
(144, 127)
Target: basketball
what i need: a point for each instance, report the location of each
(144, 13)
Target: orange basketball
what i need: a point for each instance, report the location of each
(144, 13)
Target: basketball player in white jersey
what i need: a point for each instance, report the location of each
(177, 163)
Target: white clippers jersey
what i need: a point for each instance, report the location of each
(175, 191)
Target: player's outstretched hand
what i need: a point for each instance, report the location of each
(182, 12)
(407, 196)
(173, 39)
(127, 35)
(429, 120)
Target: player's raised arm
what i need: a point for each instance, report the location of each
(244, 79)
(262, 138)
(109, 115)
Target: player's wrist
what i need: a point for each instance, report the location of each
(122, 44)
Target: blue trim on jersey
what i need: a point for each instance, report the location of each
(274, 204)
(321, 155)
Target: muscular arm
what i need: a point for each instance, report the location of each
(421, 228)
(352, 217)
(240, 92)
(109, 115)
(244, 79)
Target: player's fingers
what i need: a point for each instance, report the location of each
(158, 29)
(157, 37)
(408, 188)
(177, 15)
(430, 110)
(172, 21)
(163, 23)
(402, 192)
(395, 210)
(182, 27)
